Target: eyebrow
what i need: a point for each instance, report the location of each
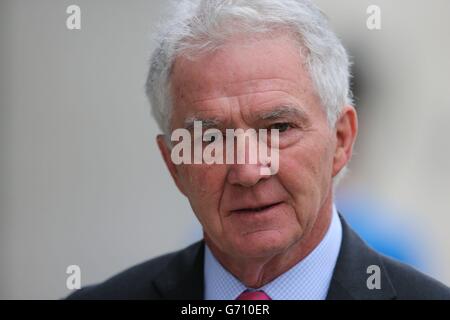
(284, 111)
(207, 123)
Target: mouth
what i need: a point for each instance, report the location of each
(261, 209)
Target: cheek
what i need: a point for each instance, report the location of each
(300, 168)
(305, 173)
(203, 185)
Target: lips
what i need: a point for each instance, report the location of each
(256, 209)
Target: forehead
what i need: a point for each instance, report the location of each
(256, 72)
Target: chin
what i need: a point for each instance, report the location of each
(262, 243)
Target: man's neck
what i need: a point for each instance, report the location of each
(255, 273)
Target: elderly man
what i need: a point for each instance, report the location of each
(275, 65)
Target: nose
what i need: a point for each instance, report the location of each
(246, 175)
(249, 172)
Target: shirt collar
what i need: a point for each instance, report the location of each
(309, 279)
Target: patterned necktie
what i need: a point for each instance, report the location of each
(253, 295)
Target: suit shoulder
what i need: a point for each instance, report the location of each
(135, 282)
(411, 284)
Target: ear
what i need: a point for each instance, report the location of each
(166, 154)
(346, 129)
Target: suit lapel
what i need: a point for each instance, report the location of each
(350, 275)
(182, 279)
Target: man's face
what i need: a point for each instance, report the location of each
(242, 212)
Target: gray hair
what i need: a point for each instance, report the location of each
(204, 25)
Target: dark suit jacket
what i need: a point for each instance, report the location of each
(179, 275)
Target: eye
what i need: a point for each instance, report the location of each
(211, 137)
(282, 126)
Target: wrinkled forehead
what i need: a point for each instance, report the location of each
(250, 70)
